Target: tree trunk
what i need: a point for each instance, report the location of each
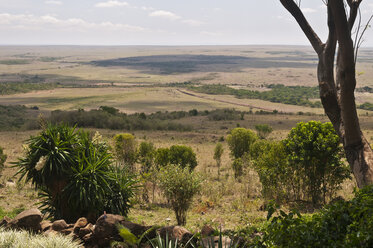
(337, 91)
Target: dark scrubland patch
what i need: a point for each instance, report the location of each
(182, 63)
(18, 118)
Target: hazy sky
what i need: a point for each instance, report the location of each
(159, 22)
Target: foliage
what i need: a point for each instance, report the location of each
(263, 130)
(14, 238)
(295, 95)
(237, 167)
(340, 224)
(239, 141)
(16, 117)
(74, 173)
(366, 106)
(218, 152)
(162, 157)
(125, 148)
(111, 118)
(2, 159)
(314, 151)
(183, 156)
(146, 154)
(179, 185)
(24, 87)
(279, 181)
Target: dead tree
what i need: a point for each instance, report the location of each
(337, 86)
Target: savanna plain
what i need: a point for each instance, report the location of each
(206, 85)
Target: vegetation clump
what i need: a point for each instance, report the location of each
(74, 173)
(2, 160)
(179, 185)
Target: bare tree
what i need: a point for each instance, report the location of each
(337, 87)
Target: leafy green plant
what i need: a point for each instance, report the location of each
(179, 185)
(237, 167)
(183, 156)
(263, 130)
(74, 174)
(218, 152)
(340, 224)
(125, 148)
(314, 152)
(239, 141)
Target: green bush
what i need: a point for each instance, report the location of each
(218, 152)
(341, 224)
(183, 156)
(315, 153)
(179, 185)
(74, 174)
(125, 148)
(239, 141)
(263, 130)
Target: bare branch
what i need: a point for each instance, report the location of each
(360, 40)
(295, 11)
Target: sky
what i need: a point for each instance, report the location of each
(160, 22)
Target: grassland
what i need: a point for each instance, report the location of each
(139, 79)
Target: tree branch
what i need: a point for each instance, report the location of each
(354, 7)
(295, 11)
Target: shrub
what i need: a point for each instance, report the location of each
(314, 152)
(179, 185)
(74, 174)
(145, 156)
(162, 157)
(218, 152)
(125, 148)
(237, 167)
(239, 141)
(341, 224)
(263, 130)
(182, 156)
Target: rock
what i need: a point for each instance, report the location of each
(45, 225)
(85, 230)
(67, 231)
(106, 229)
(176, 232)
(5, 221)
(27, 220)
(59, 225)
(214, 242)
(207, 230)
(51, 232)
(80, 223)
(134, 228)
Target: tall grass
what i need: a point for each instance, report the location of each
(20, 239)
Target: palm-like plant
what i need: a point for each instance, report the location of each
(74, 174)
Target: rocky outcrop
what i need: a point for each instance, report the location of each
(27, 220)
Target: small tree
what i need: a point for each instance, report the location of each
(179, 186)
(145, 156)
(125, 149)
(218, 152)
(182, 156)
(239, 141)
(263, 130)
(237, 167)
(2, 160)
(314, 150)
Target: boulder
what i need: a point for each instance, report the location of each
(106, 229)
(214, 242)
(45, 225)
(85, 230)
(175, 232)
(59, 225)
(5, 221)
(207, 230)
(27, 220)
(67, 231)
(80, 223)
